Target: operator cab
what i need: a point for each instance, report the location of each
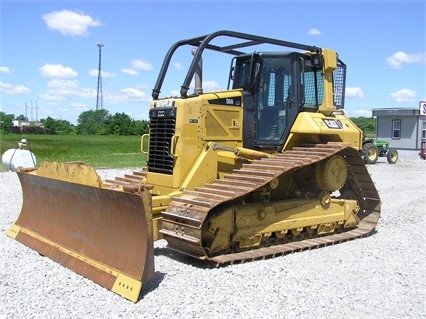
(277, 86)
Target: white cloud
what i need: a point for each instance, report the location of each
(141, 65)
(211, 85)
(51, 96)
(133, 93)
(57, 71)
(70, 22)
(8, 88)
(130, 71)
(355, 92)
(5, 69)
(80, 107)
(404, 95)
(128, 95)
(178, 65)
(398, 58)
(105, 74)
(361, 112)
(62, 84)
(314, 31)
(207, 86)
(94, 72)
(137, 65)
(59, 89)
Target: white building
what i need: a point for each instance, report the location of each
(403, 128)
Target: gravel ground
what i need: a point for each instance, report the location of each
(382, 276)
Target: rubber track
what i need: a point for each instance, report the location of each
(186, 213)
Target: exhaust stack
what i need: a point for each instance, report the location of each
(198, 76)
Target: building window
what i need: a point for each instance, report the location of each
(424, 130)
(396, 129)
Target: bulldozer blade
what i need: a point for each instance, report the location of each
(103, 234)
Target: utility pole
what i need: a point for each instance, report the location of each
(99, 101)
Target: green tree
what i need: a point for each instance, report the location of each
(93, 122)
(65, 127)
(367, 124)
(53, 126)
(49, 125)
(22, 117)
(120, 124)
(6, 122)
(140, 127)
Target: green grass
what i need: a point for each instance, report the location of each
(96, 150)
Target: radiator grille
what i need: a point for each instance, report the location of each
(162, 129)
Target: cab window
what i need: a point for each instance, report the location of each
(274, 94)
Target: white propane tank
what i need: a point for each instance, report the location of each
(14, 158)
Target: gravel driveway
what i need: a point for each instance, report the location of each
(381, 276)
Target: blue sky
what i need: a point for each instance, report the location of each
(49, 52)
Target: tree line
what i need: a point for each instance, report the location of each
(100, 122)
(93, 122)
(366, 124)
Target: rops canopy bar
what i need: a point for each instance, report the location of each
(203, 42)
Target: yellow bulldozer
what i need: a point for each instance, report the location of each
(269, 166)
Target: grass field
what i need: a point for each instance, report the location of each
(96, 150)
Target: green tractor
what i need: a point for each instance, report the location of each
(372, 149)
